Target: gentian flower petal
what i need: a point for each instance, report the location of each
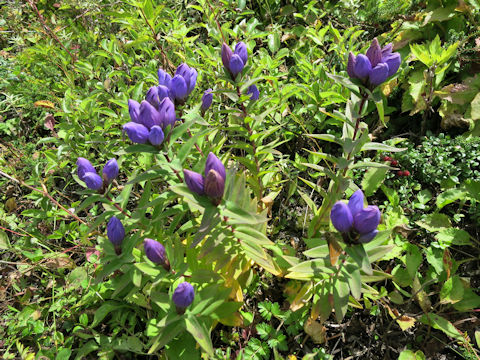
(355, 203)
(236, 65)
(133, 109)
(253, 92)
(367, 219)
(183, 295)
(365, 238)
(115, 231)
(351, 65)
(378, 74)
(93, 180)
(194, 181)
(214, 184)
(178, 87)
(227, 53)
(362, 66)
(387, 50)
(110, 170)
(341, 217)
(156, 135)
(393, 61)
(149, 116)
(84, 166)
(207, 99)
(241, 50)
(137, 133)
(214, 163)
(374, 53)
(152, 97)
(167, 113)
(164, 78)
(193, 80)
(155, 251)
(163, 92)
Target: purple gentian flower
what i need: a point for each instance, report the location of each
(183, 296)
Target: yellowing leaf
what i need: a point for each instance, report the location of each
(45, 104)
(405, 322)
(316, 331)
(11, 205)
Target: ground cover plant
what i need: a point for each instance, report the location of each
(239, 179)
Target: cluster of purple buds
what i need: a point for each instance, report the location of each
(253, 92)
(212, 184)
(356, 223)
(183, 296)
(234, 61)
(116, 233)
(156, 253)
(374, 67)
(182, 83)
(87, 173)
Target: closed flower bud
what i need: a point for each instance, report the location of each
(241, 50)
(355, 204)
(167, 113)
(110, 171)
(374, 53)
(207, 99)
(115, 233)
(236, 65)
(183, 296)
(341, 217)
(149, 116)
(152, 96)
(387, 50)
(362, 66)
(367, 219)
(226, 56)
(84, 166)
(378, 74)
(351, 65)
(164, 78)
(184, 71)
(214, 185)
(133, 109)
(93, 180)
(365, 238)
(393, 61)
(156, 253)
(137, 133)
(214, 163)
(156, 136)
(178, 88)
(163, 92)
(194, 181)
(253, 92)
(193, 80)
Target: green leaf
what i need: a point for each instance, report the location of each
(372, 179)
(108, 307)
(452, 290)
(274, 41)
(352, 274)
(86, 349)
(413, 259)
(450, 196)
(200, 334)
(381, 147)
(4, 242)
(440, 323)
(359, 255)
(434, 222)
(340, 298)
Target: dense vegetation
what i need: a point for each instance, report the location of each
(223, 179)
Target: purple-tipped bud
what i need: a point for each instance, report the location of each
(133, 109)
(241, 50)
(164, 78)
(226, 56)
(214, 163)
(149, 116)
(362, 66)
(341, 217)
(214, 185)
(378, 74)
(167, 113)
(387, 50)
(207, 99)
(110, 171)
(156, 135)
(236, 65)
(366, 220)
(253, 92)
(178, 87)
(351, 65)
(193, 80)
(374, 53)
(156, 253)
(393, 61)
(152, 97)
(194, 181)
(163, 92)
(183, 296)
(93, 180)
(355, 204)
(84, 166)
(115, 232)
(365, 238)
(184, 71)
(138, 133)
